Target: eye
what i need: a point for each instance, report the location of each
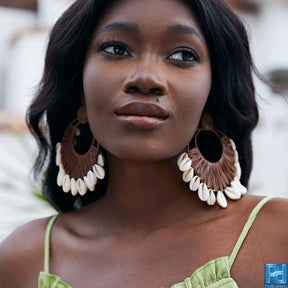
(184, 55)
(115, 49)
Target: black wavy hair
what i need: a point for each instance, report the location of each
(231, 102)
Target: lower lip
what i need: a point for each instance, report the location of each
(140, 122)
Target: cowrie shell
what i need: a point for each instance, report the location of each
(88, 183)
(185, 164)
(211, 199)
(81, 187)
(203, 192)
(92, 177)
(233, 144)
(58, 159)
(74, 190)
(58, 154)
(66, 184)
(221, 200)
(194, 183)
(90, 180)
(233, 192)
(60, 177)
(181, 157)
(236, 157)
(58, 147)
(100, 160)
(242, 189)
(99, 171)
(188, 175)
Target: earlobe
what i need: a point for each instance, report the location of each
(206, 121)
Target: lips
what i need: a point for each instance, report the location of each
(139, 115)
(142, 109)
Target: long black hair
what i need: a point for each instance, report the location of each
(231, 102)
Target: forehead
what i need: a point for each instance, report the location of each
(149, 13)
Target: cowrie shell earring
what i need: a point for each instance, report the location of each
(78, 173)
(214, 174)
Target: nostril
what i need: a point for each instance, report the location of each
(132, 89)
(156, 91)
(152, 91)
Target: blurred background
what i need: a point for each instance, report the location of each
(24, 29)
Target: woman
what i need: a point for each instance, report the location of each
(152, 78)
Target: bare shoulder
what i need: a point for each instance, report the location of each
(274, 211)
(266, 241)
(270, 230)
(278, 207)
(276, 221)
(22, 255)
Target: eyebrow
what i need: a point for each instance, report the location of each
(134, 28)
(126, 27)
(179, 29)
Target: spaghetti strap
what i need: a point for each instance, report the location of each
(247, 227)
(47, 243)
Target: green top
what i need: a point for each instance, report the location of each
(214, 274)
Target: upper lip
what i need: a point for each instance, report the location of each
(142, 109)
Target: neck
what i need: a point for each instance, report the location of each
(148, 195)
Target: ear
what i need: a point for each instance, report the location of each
(206, 121)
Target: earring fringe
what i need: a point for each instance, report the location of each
(83, 184)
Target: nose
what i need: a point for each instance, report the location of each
(146, 78)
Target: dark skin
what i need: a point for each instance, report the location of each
(149, 230)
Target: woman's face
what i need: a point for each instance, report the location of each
(146, 79)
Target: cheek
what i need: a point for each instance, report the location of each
(93, 84)
(96, 93)
(192, 102)
(100, 84)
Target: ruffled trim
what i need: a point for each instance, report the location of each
(214, 274)
(47, 280)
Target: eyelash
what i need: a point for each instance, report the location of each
(106, 44)
(192, 53)
(102, 47)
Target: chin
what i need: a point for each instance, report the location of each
(142, 155)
